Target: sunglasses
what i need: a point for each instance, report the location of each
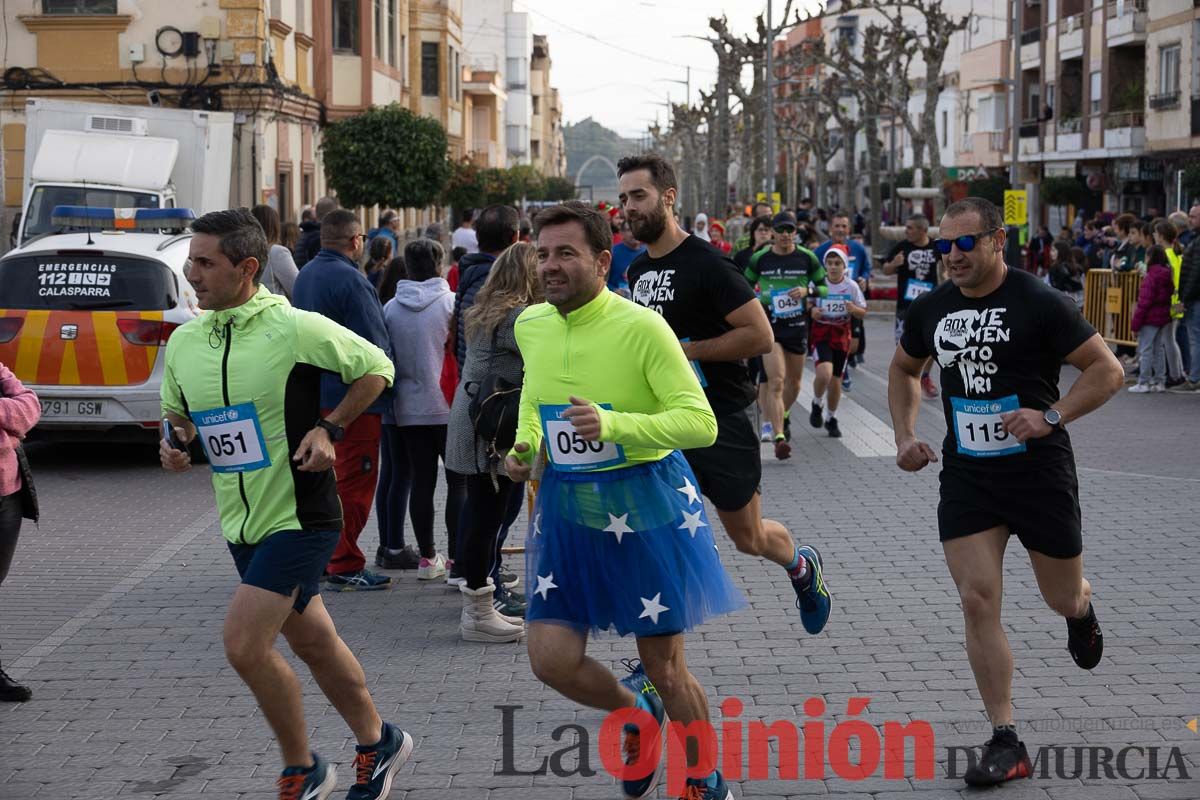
(785, 229)
(965, 243)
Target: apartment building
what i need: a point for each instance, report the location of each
(283, 67)
(547, 151)
(499, 40)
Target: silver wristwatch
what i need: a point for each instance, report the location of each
(1053, 417)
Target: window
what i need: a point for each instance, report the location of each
(404, 60)
(1094, 94)
(847, 30)
(1034, 110)
(535, 148)
(345, 26)
(945, 129)
(306, 187)
(1049, 100)
(391, 33)
(455, 76)
(81, 7)
(283, 191)
(380, 39)
(514, 71)
(134, 284)
(429, 69)
(537, 104)
(1168, 69)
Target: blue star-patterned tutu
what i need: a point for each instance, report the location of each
(629, 550)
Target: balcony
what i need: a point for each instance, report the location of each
(1166, 101)
(1069, 137)
(996, 141)
(1196, 106)
(1127, 27)
(1070, 41)
(1125, 129)
(1031, 52)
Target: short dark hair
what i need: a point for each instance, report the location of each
(468, 215)
(595, 226)
(1125, 222)
(325, 206)
(989, 214)
(379, 249)
(338, 226)
(839, 214)
(920, 220)
(457, 253)
(423, 259)
(662, 173)
(239, 234)
(757, 223)
(269, 219)
(496, 228)
(1166, 230)
(1157, 254)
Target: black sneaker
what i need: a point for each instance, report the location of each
(814, 416)
(787, 426)
(509, 579)
(1085, 641)
(408, 558)
(509, 603)
(834, 431)
(11, 691)
(1004, 759)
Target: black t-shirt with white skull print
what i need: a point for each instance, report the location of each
(917, 275)
(997, 353)
(695, 287)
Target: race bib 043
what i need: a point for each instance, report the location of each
(568, 451)
(980, 431)
(232, 438)
(784, 306)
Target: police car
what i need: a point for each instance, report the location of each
(85, 314)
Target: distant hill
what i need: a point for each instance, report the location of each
(587, 139)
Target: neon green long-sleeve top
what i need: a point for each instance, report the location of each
(613, 351)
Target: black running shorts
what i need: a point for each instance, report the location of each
(1040, 506)
(730, 470)
(792, 338)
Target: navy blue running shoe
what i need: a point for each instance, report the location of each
(700, 789)
(638, 683)
(314, 784)
(812, 595)
(375, 767)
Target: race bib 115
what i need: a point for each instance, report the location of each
(980, 431)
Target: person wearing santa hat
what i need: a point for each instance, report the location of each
(831, 336)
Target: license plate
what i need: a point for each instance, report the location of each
(72, 408)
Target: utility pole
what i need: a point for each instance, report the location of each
(770, 120)
(1015, 105)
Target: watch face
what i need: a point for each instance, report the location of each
(1053, 417)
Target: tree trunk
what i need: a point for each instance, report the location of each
(874, 170)
(849, 173)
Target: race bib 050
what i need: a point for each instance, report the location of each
(570, 452)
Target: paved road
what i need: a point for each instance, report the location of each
(114, 606)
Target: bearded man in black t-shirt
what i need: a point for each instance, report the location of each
(1000, 336)
(720, 323)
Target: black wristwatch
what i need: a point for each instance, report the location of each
(1053, 417)
(336, 432)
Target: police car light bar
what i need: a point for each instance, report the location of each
(127, 219)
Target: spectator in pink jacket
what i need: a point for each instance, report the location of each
(1150, 322)
(19, 412)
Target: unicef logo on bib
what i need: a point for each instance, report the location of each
(997, 408)
(233, 414)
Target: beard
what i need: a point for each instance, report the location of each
(649, 229)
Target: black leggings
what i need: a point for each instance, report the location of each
(423, 446)
(488, 512)
(10, 529)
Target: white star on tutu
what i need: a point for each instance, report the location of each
(617, 526)
(692, 522)
(689, 490)
(537, 525)
(545, 584)
(652, 608)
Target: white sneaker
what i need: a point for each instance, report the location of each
(768, 433)
(430, 569)
(1139, 388)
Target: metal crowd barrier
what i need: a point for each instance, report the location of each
(1108, 302)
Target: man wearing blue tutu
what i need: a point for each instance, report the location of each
(619, 539)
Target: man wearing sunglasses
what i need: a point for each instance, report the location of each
(1000, 336)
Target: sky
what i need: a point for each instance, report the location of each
(617, 61)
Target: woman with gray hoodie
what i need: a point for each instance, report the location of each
(418, 323)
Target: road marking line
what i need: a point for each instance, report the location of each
(34, 655)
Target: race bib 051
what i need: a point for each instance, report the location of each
(232, 438)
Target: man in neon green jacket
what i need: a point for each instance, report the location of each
(619, 539)
(244, 378)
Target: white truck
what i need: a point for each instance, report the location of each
(114, 156)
